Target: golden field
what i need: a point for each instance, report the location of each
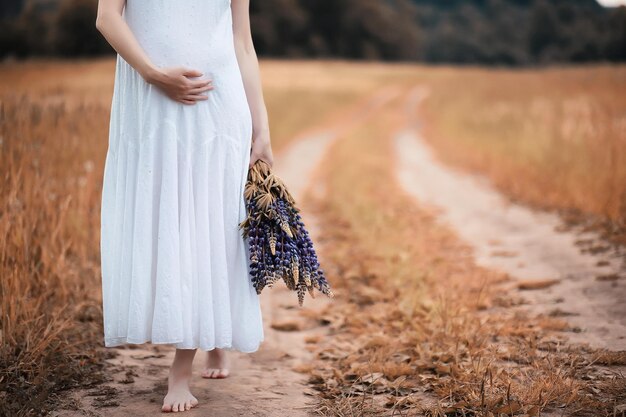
(425, 331)
(553, 138)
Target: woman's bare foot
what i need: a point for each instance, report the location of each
(217, 364)
(178, 397)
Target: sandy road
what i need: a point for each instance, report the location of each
(263, 383)
(589, 289)
(260, 383)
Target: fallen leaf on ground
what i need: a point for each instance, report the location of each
(287, 326)
(533, 411)
(609, 277)
(160, 355)
(510, 408)
(536, 284)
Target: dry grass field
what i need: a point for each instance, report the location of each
(425, 331)
(553, 138)
(53, 140)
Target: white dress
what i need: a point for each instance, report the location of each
(174, 263)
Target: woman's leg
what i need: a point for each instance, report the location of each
(178, 397)
(217, 364)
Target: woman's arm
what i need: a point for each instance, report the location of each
(175, 82)
(249, 66)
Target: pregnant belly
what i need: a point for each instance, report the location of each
(184, 33)
(202, 56)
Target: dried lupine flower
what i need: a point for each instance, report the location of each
(280, 246)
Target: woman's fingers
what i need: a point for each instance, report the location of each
(188, 72)
(191, 98)
(195, 97)
(200, 89)
(191, 91)
(200, 83)
(182, 85)
(196, 88)
(195, 93)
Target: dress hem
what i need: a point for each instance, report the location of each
(121, 341)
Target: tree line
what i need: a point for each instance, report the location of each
(499, 32)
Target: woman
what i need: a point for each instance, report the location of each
(187, 121)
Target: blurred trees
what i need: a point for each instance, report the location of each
(520, 32)
(615, 43)
(370, 29)
(508, 32)
(48, 27)
(26, 34)
(74, 32)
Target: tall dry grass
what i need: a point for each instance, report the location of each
(53, 138)
(309, 94)
(51, 157)
(554, 138)
(417, 328)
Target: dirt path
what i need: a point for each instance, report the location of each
(263, 383)
(586, 289)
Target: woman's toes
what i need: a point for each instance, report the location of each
(167, 408)
(194, 401)
(215, 373)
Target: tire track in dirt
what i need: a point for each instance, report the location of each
(262, 383)
(586, 289)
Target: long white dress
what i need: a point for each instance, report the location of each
(174, 264)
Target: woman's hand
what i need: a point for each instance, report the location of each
(261, 149)
(177, 84)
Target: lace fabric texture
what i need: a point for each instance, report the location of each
(174, 264)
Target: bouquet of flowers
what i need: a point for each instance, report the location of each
(280, 246)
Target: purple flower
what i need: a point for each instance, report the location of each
(279, 244)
